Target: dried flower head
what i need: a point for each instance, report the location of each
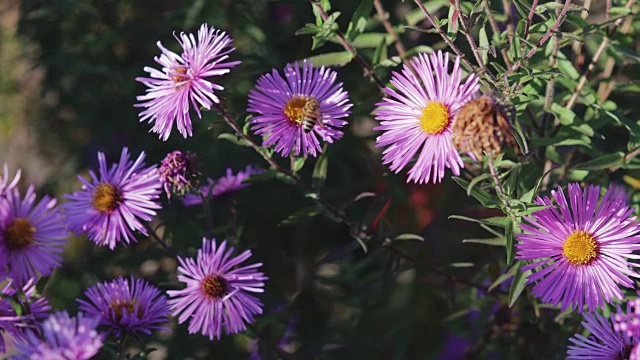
(481, 125)
(178, 173)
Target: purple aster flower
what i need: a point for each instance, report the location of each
(126, 306)
(5, 184)
(31, 308)
(218, 291)
(581, 247)
(32, 235)
(111, 206)
(280, 103)
(178, 172)
(64, 338)
(233, 182)
(183, 83)
(418, 117)
(604, 342)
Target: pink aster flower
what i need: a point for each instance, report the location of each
(581, 248)
(417, 117)
(31, 307)
(112, 205)
(126, 306)
(280, 105)
(218, 292)
(603, 343)
(183, 83)
(64, 337)
(32, 235)
(5, 183)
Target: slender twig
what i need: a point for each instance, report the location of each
(368, 70)
(594, 61)
(496, 30)
(121, 347)
(499, 189)
(472, 41)
(578, 58)
(541, 42)
(506, 6)
(532, 12)
(160, 241)
(444, 36)
(387, 26)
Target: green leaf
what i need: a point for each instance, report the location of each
(497, 241)
(340, 58)
(415, 16)
(565, 115)
(234, 139)
(509, 236)
(302, 214)
(360, 241)
(519, 283)
(298, 164)
(504, 277)
(602, 162)
(308, 29)
(372, 40)
(499, 221)
(486, 199)
(320, 170)
(484, 45)
(359, 19)
(405, 237)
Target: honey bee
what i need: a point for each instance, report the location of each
(312, 114)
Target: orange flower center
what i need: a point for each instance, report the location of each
(580, 248)
(294, 109)
(435, 118)
(120, 307)
(19, 234)
(214, 286)
(179, 75)
(106, 198)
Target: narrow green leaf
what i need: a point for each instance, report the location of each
(320, 170)
(363, 245)
(497, 241)
(484, 45)
(359, 19)
(234, 139)
(501, 221)
(602, 162)
(486, 199)
(519, 283)
(509, 236)
(298, 164)
(462, 265)
(404, 237)
(302, 214)
(504, 277)
(565, 115)
(340, 58)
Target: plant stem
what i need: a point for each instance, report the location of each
(154, 235)
(387, 25)
(472, 41)
(496, 30)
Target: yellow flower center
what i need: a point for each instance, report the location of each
(435, 118)
(580, 248)
(215, 286)
(106, 198)
(294, 110)
(19, 234)
(120, 307)
(179, 75)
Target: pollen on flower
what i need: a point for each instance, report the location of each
(119, 307)
(580, 248)
(179, 75)
(294, 111)
(215, 286)
(19, 234)
(106, 198)
(435, 118)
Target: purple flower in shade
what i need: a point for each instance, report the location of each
(229, 183)
(604, 342)
(418, 117)
(126, 306)
(178, 173)
(32, 308)
(618, 192)
(5, 183)
(218, 291)
(280, 104)
(233, 182)
(183, 83)
(581, 247)
(32, 235)
(64, 337)
(111, 206)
